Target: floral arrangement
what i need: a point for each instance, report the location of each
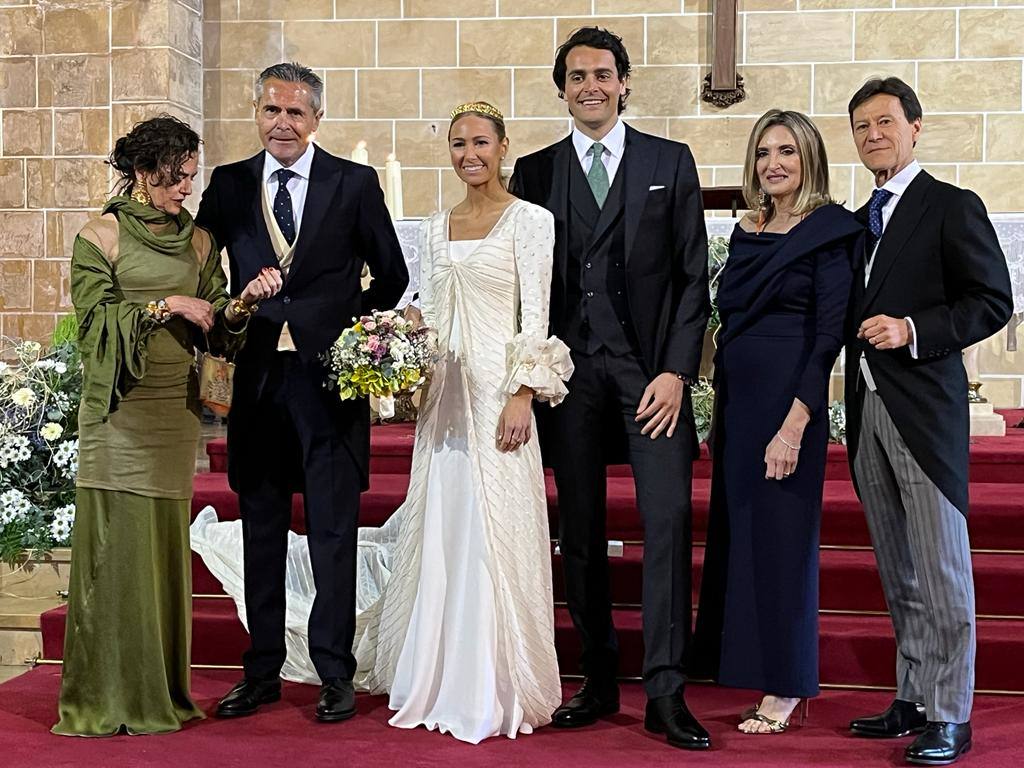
(39, 395)
(382, 355)
(837, 422)
(718, 254)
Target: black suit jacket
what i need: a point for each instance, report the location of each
(666, 243)
(939, 263)
(344, 225)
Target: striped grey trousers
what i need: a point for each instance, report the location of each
(924, 559)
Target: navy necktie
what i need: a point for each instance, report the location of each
(878, 200)
(283, 213)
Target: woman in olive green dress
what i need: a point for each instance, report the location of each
(147, 287)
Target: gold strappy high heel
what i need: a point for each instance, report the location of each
(774, 726)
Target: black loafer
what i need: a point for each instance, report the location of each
(670, 716)
(337, 701)
(246, 697)
(902, 718)
(940, 744)
(591, 702)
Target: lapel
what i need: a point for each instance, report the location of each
(581, 198)
(909, 211)
(258, 230)
(557, 183)
(640, 158)
(324, 178)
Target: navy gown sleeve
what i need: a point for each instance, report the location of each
(833, 276)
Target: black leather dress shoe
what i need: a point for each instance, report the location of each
(940, 744)
(592, 701)
(337, 701)
(246, 697)
(669, 715)
(902, 718)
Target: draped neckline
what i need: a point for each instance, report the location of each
(479, 241)
(134, 217)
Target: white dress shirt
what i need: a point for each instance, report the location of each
(614, 143)
(297, 184)
(897, 185)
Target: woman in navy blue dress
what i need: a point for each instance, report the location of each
(782, 299)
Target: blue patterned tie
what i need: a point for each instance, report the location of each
(283, 205)
(878, 200)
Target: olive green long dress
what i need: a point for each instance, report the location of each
(128, 636)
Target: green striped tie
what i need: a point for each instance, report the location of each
(598, 175)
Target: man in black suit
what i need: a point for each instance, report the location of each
(933, 282)
(630, 297)
(317, 219)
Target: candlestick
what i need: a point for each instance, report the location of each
(360, 155)
(393, 187)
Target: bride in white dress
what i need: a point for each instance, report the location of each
(456, 620)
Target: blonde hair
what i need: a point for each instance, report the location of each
(813, 192)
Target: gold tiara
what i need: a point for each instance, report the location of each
(481, 107)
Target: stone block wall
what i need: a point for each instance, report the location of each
(73, 77)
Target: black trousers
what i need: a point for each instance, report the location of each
(297, 417)
(606, 386)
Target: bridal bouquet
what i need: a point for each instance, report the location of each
(381, 355)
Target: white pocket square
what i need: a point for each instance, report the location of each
(656, 186)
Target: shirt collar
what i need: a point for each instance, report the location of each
(898, 184)
(614, 141)
(300, 167)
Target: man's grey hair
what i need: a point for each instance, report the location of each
(293, 72)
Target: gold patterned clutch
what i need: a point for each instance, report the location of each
(215, 381)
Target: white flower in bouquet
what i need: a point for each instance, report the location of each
(66, 457)
(4, 368)
(23, 398)
(13, 449)
(13, 506)
(44, 364)
(61, 368)
(51, 431)
(63, 523)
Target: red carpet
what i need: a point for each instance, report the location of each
(286, 734)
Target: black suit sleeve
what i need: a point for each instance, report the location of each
(515, 184)
(379, 247)
(209, 216)
(689, 320)
(977, 282)
(833, 276)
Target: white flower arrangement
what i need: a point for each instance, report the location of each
(39, 395)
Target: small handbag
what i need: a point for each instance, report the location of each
(216, 376)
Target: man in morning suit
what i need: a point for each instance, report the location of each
(630, 298)
(318, 219)
(933, 281)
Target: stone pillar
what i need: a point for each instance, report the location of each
(73, 77)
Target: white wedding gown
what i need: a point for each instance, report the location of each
(462, 639)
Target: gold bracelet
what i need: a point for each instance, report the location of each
(241, 309)
(159, 310)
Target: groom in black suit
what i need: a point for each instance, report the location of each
(314, 219)
(630, 297)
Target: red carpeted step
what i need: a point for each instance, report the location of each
(996, 517)
(854, 650)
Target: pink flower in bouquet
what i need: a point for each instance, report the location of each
(369, 326)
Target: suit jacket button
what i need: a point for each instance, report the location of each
(286, 300)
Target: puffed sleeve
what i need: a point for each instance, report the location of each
(225, 339)
(534, 359)
(112, 333)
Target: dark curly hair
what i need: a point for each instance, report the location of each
(593, 37)
(158, 146)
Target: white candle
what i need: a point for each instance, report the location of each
(360, 155)
(393, 187)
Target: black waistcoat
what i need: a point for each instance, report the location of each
(597, 308)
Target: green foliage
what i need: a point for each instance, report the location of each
(66, 331)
